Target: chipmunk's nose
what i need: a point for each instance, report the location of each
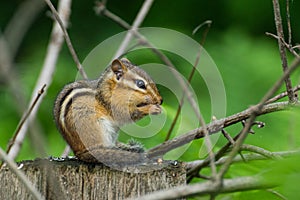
(158, 100)
(161, 101)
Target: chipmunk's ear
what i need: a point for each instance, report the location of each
(118, 68)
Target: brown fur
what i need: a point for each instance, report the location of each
(91, 118)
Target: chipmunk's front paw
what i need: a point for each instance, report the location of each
(132, 146)
(155, 109)
(135, 146)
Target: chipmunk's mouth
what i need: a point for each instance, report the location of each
(141, 105)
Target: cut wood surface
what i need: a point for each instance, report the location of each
(72, 179)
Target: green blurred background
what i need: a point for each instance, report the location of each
(247, 59)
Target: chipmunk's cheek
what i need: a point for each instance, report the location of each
(155, 109)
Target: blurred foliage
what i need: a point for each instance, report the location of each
(247, 59)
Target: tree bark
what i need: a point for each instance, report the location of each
(72, 179)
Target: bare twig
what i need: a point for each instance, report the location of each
(62, 23)
(210, 188)
(195, 171)
(277, 194)
(212, 128)
(255, 110)
(231, 140)
(10, 78)
(247, 157)
(227, 136)
(296, 47)
(259, 150)
(218, 125)
(288, 19)
(137, 22)
(209, 147)
(101, 9)
(21, 176)
(207, 140)
(288, 46)
(45, 77)
(281, 95)
(208, 23)
(25, 117)
(279, 28)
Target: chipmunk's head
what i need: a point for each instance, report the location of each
(134, 94)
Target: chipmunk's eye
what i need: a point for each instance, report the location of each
(140, 84)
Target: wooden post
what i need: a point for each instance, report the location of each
(72, 179)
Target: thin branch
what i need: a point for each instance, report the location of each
(100, 8)
(193, 172)
(259, 150)
(26, 116)
(66, 36)
(281, 95)
(288, 46)
(279, 28)
(210, 188)
(213, 127)
(218, 125)
(296, 47)
(255, 110)
(227, 136)
(21, 176)
(45, 77)
(209, 147)
(208, 23)
(231, 140)
(277, 194)
(207, 140)
(248, 157)
(137, 22)
(288, 19)
(10, 78)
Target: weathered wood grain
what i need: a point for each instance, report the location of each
(72, 179)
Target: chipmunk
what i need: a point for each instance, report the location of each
(89, 113)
